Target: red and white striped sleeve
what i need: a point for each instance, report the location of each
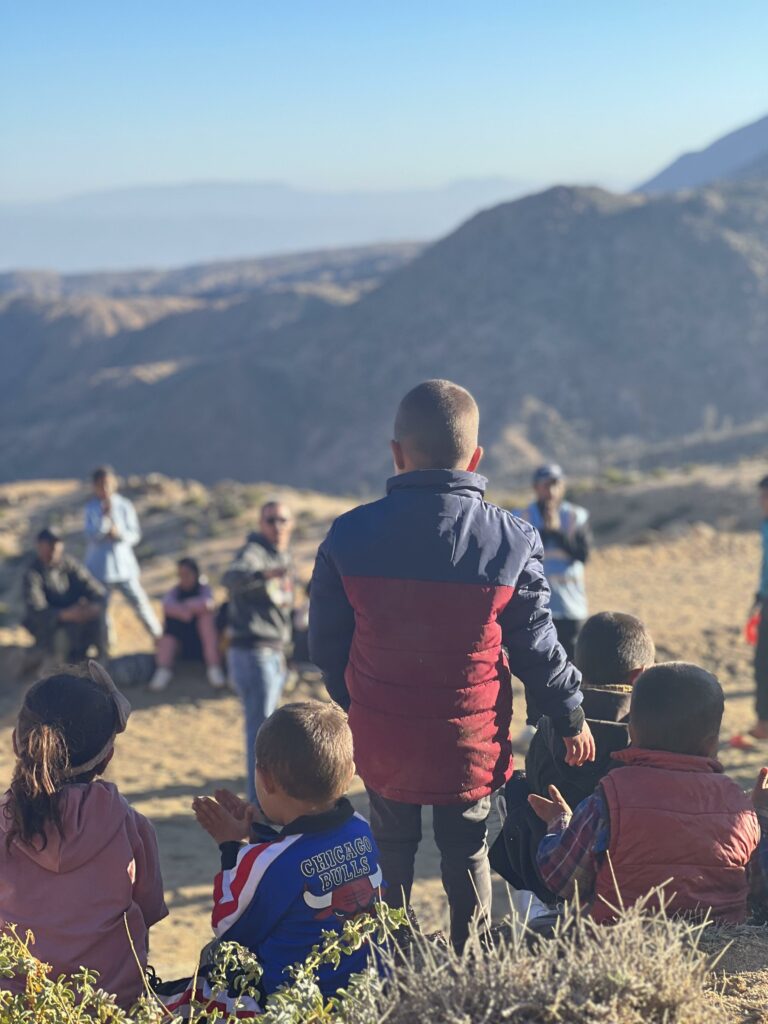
(235, 888)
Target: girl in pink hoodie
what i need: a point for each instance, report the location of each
(77, 863)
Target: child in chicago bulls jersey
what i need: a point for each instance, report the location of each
(280, 888)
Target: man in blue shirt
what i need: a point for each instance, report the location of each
(112, 531)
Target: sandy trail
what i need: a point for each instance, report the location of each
(693, 592)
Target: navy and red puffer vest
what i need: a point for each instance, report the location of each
(679, 818)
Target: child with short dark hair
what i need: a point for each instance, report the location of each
(77, 863)
(280, 888)
(612, 649)
(666, 814)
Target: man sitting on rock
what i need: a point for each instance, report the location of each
(63, 603)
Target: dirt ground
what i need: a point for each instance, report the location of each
(693, 591)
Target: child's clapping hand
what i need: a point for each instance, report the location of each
(550, 810)
(237, 807)
(760, 792)
(226, 819)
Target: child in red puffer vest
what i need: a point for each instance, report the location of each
(667, 815)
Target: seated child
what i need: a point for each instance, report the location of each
(74, 855)
(190, 628)
(667, 813)
(611, 651)
(278, 890)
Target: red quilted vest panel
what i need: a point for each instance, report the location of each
(678, 818)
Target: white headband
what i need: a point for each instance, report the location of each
(123, 709)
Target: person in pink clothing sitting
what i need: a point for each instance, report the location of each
(79, 867)
(190, 628)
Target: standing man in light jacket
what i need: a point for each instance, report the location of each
(567, 539)
(112, 531)
(259, 619)
(422, 606)
(565, 534)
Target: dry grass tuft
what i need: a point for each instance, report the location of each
(647, 969)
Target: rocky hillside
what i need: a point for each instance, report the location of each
(739, 155)
(598, 329)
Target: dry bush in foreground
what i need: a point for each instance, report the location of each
(647, 969)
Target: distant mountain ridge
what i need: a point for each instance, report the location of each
(594, 328)
(741, 154)
(353, 269)
(174, 225)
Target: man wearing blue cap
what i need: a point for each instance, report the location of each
(566, 538)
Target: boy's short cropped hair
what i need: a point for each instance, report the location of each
(306, 748)
(437, 422)
(611, 647)
(676, 707)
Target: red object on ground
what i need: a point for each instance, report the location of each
(741, 742)
(751, 629)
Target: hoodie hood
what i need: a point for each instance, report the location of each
(92, 813)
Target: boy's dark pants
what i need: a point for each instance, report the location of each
(761, 666)
(460, 834)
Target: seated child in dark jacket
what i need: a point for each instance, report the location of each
(278, 890)
(666, 814)
(611, 651)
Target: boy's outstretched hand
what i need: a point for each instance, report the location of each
(580, 749)
(760, 792)
(549, 810)
(219, 822)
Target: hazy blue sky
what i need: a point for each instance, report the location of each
(343, 94)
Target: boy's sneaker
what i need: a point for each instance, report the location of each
(216, 677)
(160, 680)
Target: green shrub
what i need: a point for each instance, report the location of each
(613, 476)
(77, 999)
(645, 969)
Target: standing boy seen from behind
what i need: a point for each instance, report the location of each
(415, 601)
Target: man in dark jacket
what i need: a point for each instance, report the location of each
(260, 586)
(421, 603)
(612, 650)
(64, 605)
